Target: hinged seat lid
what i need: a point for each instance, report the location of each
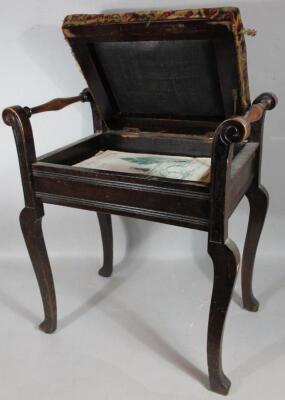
(163, 70)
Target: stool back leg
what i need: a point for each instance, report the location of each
(258, 202)
(105, 223)
(225, 258)
(31, 224)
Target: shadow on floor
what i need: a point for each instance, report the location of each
(16, 307)
(122, 272)
(140, 329)
(268, 355)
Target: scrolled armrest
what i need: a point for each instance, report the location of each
(230, 131)
(237, 129)
(58, 103)
(19, 119)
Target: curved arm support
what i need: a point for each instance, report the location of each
(222, 154)
(17, 118)
(239, 128)
(230, 131)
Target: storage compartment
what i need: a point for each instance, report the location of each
(174, 156)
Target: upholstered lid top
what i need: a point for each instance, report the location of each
(226, 14)
(162, 65)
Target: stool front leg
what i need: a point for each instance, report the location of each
(31, 224)
(226, 259)
(105, 223)
(31, 215)
(258, 202)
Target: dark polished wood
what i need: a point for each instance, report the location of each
(31, 215)
(57, 104)
(107, 240)
(31, 224)
(225, 258)
(235, 172)
(231, 136)
(258, 202)
(256, 112)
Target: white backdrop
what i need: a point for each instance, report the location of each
(159, 334)
(37, 65)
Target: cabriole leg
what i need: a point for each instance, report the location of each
(105, 223)
(258, 202)
(31, 224)
(226, 262)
